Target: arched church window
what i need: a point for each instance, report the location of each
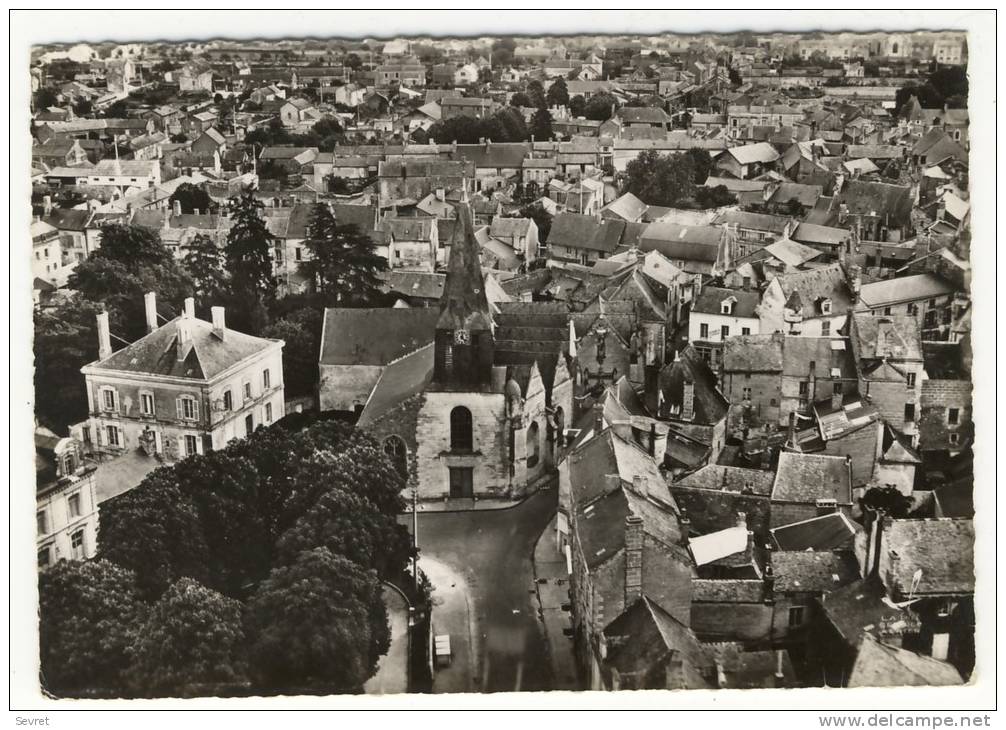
(461, 429)
(398, 452)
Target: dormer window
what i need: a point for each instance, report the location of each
(727, 305)
(825, 306)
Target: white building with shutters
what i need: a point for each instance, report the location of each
(187, 387)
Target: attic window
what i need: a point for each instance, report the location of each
(726, 306)
(825, 306)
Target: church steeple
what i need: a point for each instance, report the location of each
(464, 338)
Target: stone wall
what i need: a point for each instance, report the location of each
(937, 397)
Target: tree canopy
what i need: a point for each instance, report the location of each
(660, 179)
(301, 331)
(558, 94)
(192, 198)
(249, 261)
(600, 107)
(343, 266)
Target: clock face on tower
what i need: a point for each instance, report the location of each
(460, 337)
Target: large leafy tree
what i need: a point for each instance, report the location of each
(192, 198)
(600, 107)
(249, 261)
(65, 339)
(193, 637)
(203, 261)
(301, 331)
(702, 163)
(536, 92)
(343, 266)
(318, 624)
(89, 615)
(577, 105)
(558, 93)
(541, 125)
(155, 531)
(131, 262)
(660, 179)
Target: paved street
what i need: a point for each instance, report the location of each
(392, 676)
(490, 551)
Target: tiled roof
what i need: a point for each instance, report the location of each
(889, 336)
(904, 289)
(809, 571)
(806, 478)
(753, 353)
(709, 404)
(939, 551)
(729, 479)
(711, 297)
(349, 334)
(208, 356)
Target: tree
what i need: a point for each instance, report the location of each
(660, 179)
(192, 198)
(600, 107)
(558, 94)
(536, 92)
(511, 125)
(353, 61)
(735, 77)
(249, 261)
(301, 331)
(154, 530)
(702, 162)
(541, 125)
(541, 217)
(89, 613)
(204, 263)
(714, 197)
(887, 500)
(343, 265)
(66, 339)
(192, 636)
(577, 105)
(501, 53)
(82, 108)
(520, 99)
(318, 624)
(130, 262)
(45, 98)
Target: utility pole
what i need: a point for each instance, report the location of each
(415, 539)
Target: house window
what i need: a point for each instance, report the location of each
(42, 521)
(724, 332)
(910, 380)
(112, 434)
(248, 391)
(268, 412)
(826, 328)
(191, 445)
(837, 389)
(746, 393)
(955, 438)
(73, 505)
(187, 408)
(804, 386)
(396, 450)
(931, 304)
(953, 416)
(228, 400)
(108, 399)
(44, 556)
(796, 615)
(771, 401)
(909, 412)
(825, 306)
(297, 254)
(704, 331)
(887, 310)
(147, 404)
(266, 378)
(77, 545)
(461, 429)
(745, 331)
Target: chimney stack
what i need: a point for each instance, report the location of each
(598, 418)
(219, 328)
(652, 443)
(104, 336)
(184, 339)
(176, 207)
(688, 401)
(791, 431)
(639, 485)
(633, 559)
(189, 311)
(150, 307)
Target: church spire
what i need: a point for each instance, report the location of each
(464, 349)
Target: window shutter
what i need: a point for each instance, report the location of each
(99, 435)
(178, 407)
(115, 400)
(181, 447)
(195, 409)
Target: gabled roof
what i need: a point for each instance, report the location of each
(889, 336)
(627, 207)
(748, 154)
(677, 242)
(753, 353)
(904, 289)
(815, 285)
(208, 356)
(575, 230)
(878, 199)
(709, 404)
(349, 334)
(832, 531)
(810, 571)
(399, 381)
(941, 552)
(862, 607)
(883, 665)
(807, 478)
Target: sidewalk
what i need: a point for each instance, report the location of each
(552, 582)
(392, 676)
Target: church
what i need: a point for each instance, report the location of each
(471, 401)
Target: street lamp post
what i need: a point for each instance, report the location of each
(415, 539)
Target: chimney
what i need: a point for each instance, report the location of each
(791, 430)
(189, 310)
(686, 525)
(652, 443)
(811, 386)
(688, 401)
(633, 559)
(598, 418)
(742, 520)
(176, 207)
(219, 328)
(855, 281)
(150, 307)
(104, 336)
(639, 485)
(184, 338)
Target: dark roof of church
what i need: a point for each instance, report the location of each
(375, 336)
(464, 304)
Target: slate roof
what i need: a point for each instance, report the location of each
(751, 153)
(814, 285)
(806, 195)
(942, 549)
(711, 297)
(208, 356)
(809, 571)
(677, 242)
(891, 336)
(729, 479)
(832, 531)
(806, 478)
(575, 230)
(420, 284)
(753, 353)
(67, 219)
(792, 253)
(494, 155)
(882, 665)
(349, 334)
(400, 380)
(709, 404)
(904, 289)
(627, 207)
(862, 608)
(877, 198)
(822, 235)
(755, 221)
